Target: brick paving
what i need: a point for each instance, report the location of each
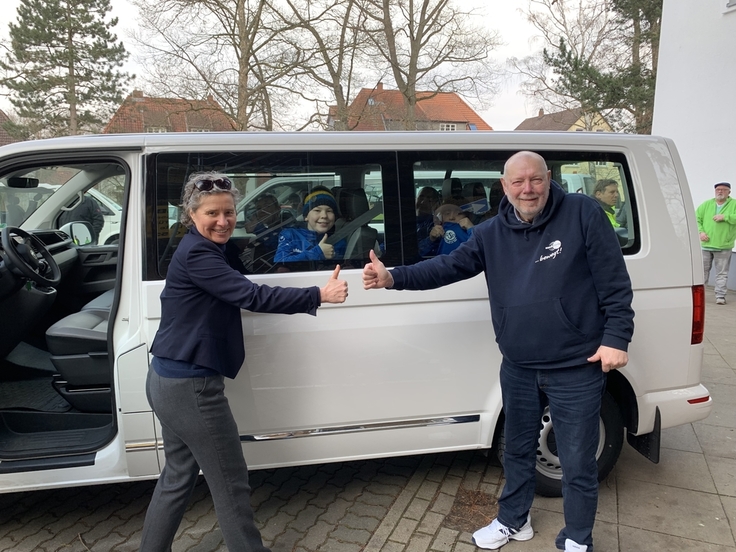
(394, 504)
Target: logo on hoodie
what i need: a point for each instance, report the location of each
(555, 248)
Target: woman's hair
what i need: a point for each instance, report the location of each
(192, 197)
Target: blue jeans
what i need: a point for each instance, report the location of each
(199, 431)
(574, 398)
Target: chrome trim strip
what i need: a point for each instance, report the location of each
(136, 447)
(379, 426)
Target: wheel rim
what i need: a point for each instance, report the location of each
(548, 463)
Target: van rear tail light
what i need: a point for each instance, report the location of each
(698, 315)
(699, 400)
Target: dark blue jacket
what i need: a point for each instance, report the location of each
(201, 302)
(454, 235)
(558, 287)
(302, 244)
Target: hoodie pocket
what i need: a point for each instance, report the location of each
(539, 332)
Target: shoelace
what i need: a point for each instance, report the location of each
(508, 531)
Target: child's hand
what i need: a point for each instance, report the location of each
(465, 223)
(437, 232)
(328, 250)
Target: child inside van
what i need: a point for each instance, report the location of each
(428, 200)
(309, 244)
(452, 227)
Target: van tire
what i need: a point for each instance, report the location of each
(549, 472)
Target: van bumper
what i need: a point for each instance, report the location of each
(676, 407)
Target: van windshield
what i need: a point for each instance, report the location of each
(24, 192)
(20, 197)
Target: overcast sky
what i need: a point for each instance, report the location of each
(509, 109)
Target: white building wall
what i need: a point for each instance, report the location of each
(695, 99)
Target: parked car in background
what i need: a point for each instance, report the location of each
(27, 200)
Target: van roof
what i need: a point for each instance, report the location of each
(237, 141)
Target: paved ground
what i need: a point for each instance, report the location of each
(431, 502)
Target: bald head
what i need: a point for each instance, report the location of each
(526, 157)
(526, 182)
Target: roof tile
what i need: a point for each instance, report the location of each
(141, 114)
(375, 108)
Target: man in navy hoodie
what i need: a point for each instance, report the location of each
(561, 310)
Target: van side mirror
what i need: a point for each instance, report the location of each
(81, 232)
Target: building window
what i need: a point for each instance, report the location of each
(448, 126)
(156, 130)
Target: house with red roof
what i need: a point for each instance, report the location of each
(381, 109)
(139, 113)
(567, 120)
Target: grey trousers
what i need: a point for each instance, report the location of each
(199, 431)
(721, 261)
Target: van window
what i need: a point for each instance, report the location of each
(455, 191)
(450, 201)
(88, 190)
(605, 179)
(273, 232)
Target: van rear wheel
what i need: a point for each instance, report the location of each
(549, 471)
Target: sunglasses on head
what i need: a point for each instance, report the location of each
(205, 185)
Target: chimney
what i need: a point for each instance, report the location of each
(541, 112)
(379, 86)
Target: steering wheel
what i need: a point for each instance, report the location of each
(30, 257)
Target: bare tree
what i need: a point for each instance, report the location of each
(598, 55)
(234, 50)
(333, 45)
(581, 27)
(430, 46)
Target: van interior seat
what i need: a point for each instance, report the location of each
(78, 347)
(452, 191)
(81, 332)
(364, 238)
(101, 302)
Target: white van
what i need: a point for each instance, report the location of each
(77, 322)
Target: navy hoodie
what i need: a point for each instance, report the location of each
(558, 287)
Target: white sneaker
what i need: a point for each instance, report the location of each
(496, 534)
(572, 546)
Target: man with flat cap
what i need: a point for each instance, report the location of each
(717, 227)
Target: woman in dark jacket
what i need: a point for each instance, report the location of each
(200, 342)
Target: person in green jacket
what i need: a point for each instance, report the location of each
(717, 226)
(606, 193)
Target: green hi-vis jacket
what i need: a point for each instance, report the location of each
(722, 234)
